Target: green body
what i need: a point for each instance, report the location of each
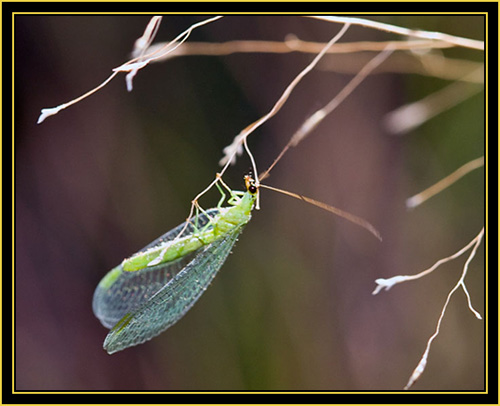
(154, 288)
(227, 219)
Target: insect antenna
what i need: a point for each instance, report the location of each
(341, 213)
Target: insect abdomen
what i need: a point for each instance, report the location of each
(177, 249)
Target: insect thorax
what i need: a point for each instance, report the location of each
(235, 216)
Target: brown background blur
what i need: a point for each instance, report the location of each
(292, 308)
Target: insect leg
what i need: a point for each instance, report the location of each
(235, 195)
(223, 195)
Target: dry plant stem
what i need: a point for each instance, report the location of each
(412, 115)
(428, 64)
(133, 64)
(141, 45)
(421, 197)
(289, 45)
(50, 111)
(142, 60)
(317, 117)
(423, 360)
(458, 41)
(386, 284)
(235, 147)
(310, 124)
(169, 47)
(144, 42)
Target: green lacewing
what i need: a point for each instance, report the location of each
(154, 288)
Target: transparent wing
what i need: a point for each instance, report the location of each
(121, 292)
(174, 299)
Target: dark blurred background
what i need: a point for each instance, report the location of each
(292, 308)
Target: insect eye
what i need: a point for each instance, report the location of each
(252, 189)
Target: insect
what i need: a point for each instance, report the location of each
(150, 291)
(154, 288)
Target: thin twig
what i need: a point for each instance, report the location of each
(423, 360)
(428, 64)
(410, 116)
(459, 41)
(312, 122)
(235, 147)
(50, 111)
(386, 284)
(421, 197)
(129, 66)
(289, 45)
(425, 64)
(141, 45)
(317, 117)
